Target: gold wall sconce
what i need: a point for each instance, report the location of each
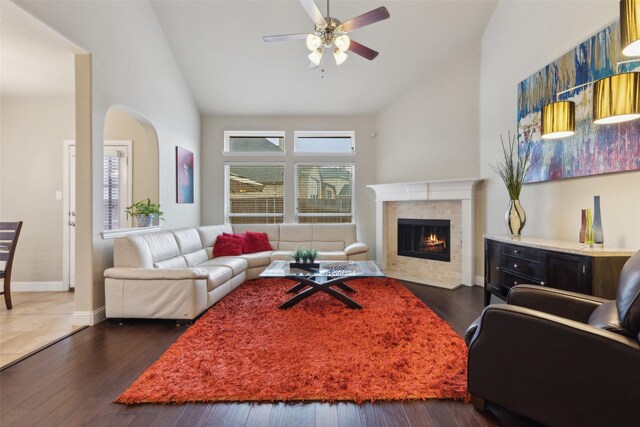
(616, 98)
(630, 27)
(558, 120)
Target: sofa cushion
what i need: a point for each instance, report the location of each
(605, 316)
(258, 259)
(188, 240)
(209, 233)
(242, 238)
(236, 263)
(218, 275)
(356, 248)
(331, 255)
(628, 295)
(162, 245)
(327, 246)
(345, 233)
(272, 230)
(132, 251)
(175, 262)
(292, 246)
(281, 256)
(198, 257)
(227, 246)
(296, 233)
(257, 242)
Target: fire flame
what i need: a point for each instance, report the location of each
(432, 240)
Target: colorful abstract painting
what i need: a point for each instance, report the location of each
(593, 149)
(184, 175)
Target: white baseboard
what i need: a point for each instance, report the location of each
(37, 287)
(479, 281)
(90, 317)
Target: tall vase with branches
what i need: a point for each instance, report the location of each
(513, 170)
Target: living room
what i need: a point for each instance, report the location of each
(441, 119)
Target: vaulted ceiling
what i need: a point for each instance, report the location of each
(232, 71)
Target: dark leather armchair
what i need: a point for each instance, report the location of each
(561, 358)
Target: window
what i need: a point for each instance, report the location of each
(337, 142)
(116, 187)
(267, 142)
(254, 193)
(324, 192)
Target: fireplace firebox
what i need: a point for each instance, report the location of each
(424, 238)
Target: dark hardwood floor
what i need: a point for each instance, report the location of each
(74, 381)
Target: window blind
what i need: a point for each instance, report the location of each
(324, 193)
(255, 193)
(111, 193)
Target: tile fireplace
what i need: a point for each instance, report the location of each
(433, 256)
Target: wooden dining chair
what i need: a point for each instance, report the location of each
(9, 233)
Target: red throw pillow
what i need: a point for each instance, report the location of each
(226, 246)
(258, 242)
(242, 238)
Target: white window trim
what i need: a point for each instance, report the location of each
(324, 134)
(227, 191)
(253, 133)
(295, 190)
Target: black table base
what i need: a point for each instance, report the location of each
(320, 286)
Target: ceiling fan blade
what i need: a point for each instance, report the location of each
(313, 12)
(285, 37)
(371, 17)
(361, 50)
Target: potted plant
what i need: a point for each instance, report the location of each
(312, 254)
(298, 254)
(513, 170)
(144, 212)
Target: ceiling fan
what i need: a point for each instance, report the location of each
(330, 33)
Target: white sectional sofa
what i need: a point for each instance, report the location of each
(173, 274)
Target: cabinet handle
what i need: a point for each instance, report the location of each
(498, 268)
(541, 283)
(515, 283)
(515, 251)
(515, 265)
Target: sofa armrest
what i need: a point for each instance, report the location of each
(156, 273)
(554, 370)
(356, 248)
(569, 305)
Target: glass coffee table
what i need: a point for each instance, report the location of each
(325, 278)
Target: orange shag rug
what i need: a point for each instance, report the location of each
(246, 349)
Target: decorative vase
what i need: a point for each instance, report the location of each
(598, 235)
(583, 225)
(515, 218)
(144, 220)
(588, 234)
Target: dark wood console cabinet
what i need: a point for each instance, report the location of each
(563, 265)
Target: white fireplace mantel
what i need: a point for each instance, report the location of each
(455, 189)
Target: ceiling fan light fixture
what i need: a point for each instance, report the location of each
(342, 42)
(315, 57)
(339, 56)
(313, 42)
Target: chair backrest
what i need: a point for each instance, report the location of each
(9, 233)
(628, 295)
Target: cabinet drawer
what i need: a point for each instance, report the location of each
(522, 266)
(522, 252)
(509, 280)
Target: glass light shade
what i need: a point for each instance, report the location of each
(315, 57)
(313, 42)
(630, 27)
(558, 120)
(342, 42)
(616, 98)
(339, 56)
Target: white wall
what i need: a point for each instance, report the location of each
(431, 132)
(32, 131)
(132, 66)
(521, 38)
(213, 128)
